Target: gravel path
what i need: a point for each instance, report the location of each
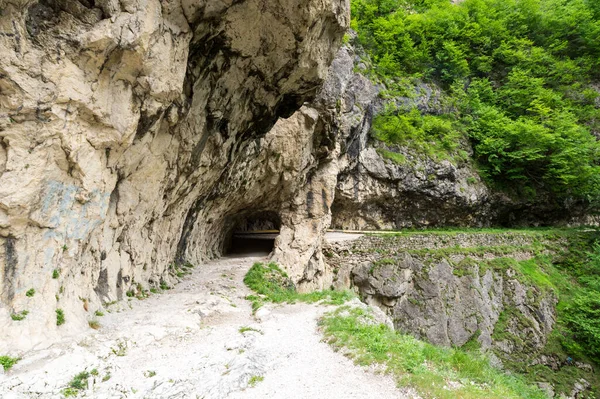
(187, 343)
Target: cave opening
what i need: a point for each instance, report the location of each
(253, 234)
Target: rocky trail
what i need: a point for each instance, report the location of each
(198, 340)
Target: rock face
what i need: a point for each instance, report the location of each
(454, 298)
(132, 136)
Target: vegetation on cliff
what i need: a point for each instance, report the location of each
(519, 80)
(434, 372)
(564, 263)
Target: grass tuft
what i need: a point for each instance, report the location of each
(273, 285)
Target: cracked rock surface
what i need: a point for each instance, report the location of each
(129, 140)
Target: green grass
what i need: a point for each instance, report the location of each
(244, 329)
(273, 285)
(395, 157)
(7, 362)
(426, 368)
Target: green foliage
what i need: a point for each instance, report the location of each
(436, 137)
(518, 76)
(78, 384)
(578, 309)
(255, 379)
(20, 315)
(564, 263)
(80, 380)
(273, 285)
(30, 292)
(583, 317)
(55, 273)
(420, 365)
(60, 317)
(7, 362)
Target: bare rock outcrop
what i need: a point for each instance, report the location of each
(127, 136)
(449, 296)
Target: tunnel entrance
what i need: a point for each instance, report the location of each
(254, 234)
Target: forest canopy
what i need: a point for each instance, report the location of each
(522, 78)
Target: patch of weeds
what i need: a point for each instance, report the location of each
(106, 377)
(30, 292)
(273, 285)
(70, 392)
(120, 350)
(164, 286)
(154, 290)
(7, 362)
(94, 372)
(77, 384)
(65, 248)
(19, 316)
(99, 313)
(130, 293)
(149, 373)
(255, 379)
(417, 364)
(60, 317)
(95, 324)
(141, 293)
(55, 273)
(244, 329)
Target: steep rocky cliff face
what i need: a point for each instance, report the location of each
(133, 136)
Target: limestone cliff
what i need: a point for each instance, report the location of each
(130, 135)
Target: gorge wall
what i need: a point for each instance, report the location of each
(136, 135)
(133, 136)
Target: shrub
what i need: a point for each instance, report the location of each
(583, 318)
(7, 362)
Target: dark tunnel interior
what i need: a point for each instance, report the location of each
(253, 234)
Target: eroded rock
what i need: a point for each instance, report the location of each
(127, 132)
